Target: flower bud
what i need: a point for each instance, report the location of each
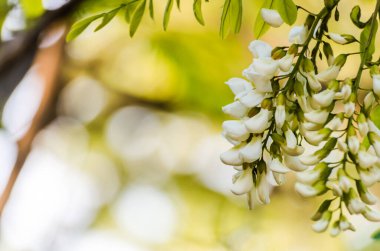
(353, 141)
(271, 17)
(298, 34)
(362, 125)
(263, 189)
(294, 163)
(310, 191)
(344, 181)
(364, 194)
(322, 224)
(286, 62)
(371, 215)
(366, 159)
(355, 205)
(369, 100)
(317, 116)
(316, 137)
(342, 39)
(376, 84)
(335, 230)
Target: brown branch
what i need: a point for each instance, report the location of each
(17, 55)
(47, 65)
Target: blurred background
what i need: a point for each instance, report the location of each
(119, 138)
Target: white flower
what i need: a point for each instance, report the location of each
(263, 190)
(306, 190)
(353, 144)
(279, 178)
(355, 206)
(294, 163)
(376, 84)
(344, 224)
(279, 116)
(349, 109)
(260, 49)
(298, 150)
(276, 166)
(266, 66)
(232, 141)
(371, 215)
(252, 151)
(322, 224)
(329, 74)
(232, 156)
(335, 188)
(335, 230)
(239, 85)
(235, 129)
(342, 146)
(235, 109)
(368, 177)
(251, 99)
(324, 98)
(243, 182)
(372, 127)
(310, 160)
(317, 116)
(366, 159)
(334, 124)
(344, 93)
(261, 81)
(298, 34)
(308, 177)
(285, 63)
(291, 140)
(310, 126)
(271, 17)
(368, 198)
(337, 38)
(363, 125)
(344, 183)
(369, 100)
(316, 137)
(258, 123)
(313, 81)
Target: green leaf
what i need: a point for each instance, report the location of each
(355, 16)
(260, 26)
(365, 36)
(231, 17)
(130, 9)
(287, 10)
(376, 235)
(168, 10)
(151, 9)
(197, 7)
(32, 8)
(80, 26)
(107, 18)
(137, 17)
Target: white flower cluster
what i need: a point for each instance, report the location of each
(284, 101)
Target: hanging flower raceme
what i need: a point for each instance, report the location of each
(285, 103)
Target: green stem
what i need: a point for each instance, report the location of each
(305, 45)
